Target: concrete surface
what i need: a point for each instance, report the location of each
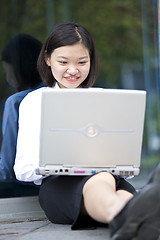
(23, 218)
(33, 230)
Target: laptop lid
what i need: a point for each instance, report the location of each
(84, 131)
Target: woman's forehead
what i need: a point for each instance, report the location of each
(70, 51)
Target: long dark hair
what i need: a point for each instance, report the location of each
(22, 52)
(64, 34)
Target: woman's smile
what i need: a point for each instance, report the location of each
(72, 78)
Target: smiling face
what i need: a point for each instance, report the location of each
(70, 65)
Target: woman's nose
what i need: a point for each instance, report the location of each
(72, 69)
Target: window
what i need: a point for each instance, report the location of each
(126, 35)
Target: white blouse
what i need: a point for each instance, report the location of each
(27, 155)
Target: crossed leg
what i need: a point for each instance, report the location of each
(101, 200)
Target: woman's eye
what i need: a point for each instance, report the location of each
(82, 63)
(62, 62)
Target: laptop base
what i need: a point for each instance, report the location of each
(129, 171)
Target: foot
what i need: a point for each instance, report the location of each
(140, 211)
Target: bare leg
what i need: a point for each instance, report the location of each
(101, 200)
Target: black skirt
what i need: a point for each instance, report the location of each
(61, 199)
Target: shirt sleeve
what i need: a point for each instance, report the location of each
(27, 154)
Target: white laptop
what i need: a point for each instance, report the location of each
(85, 131)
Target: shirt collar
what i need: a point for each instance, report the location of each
(56, 86)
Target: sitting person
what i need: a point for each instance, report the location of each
(19, 58)
(68, 60)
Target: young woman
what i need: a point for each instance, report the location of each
(68, 60)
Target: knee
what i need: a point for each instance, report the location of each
(100, 178)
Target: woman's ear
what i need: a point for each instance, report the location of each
(47, 60)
